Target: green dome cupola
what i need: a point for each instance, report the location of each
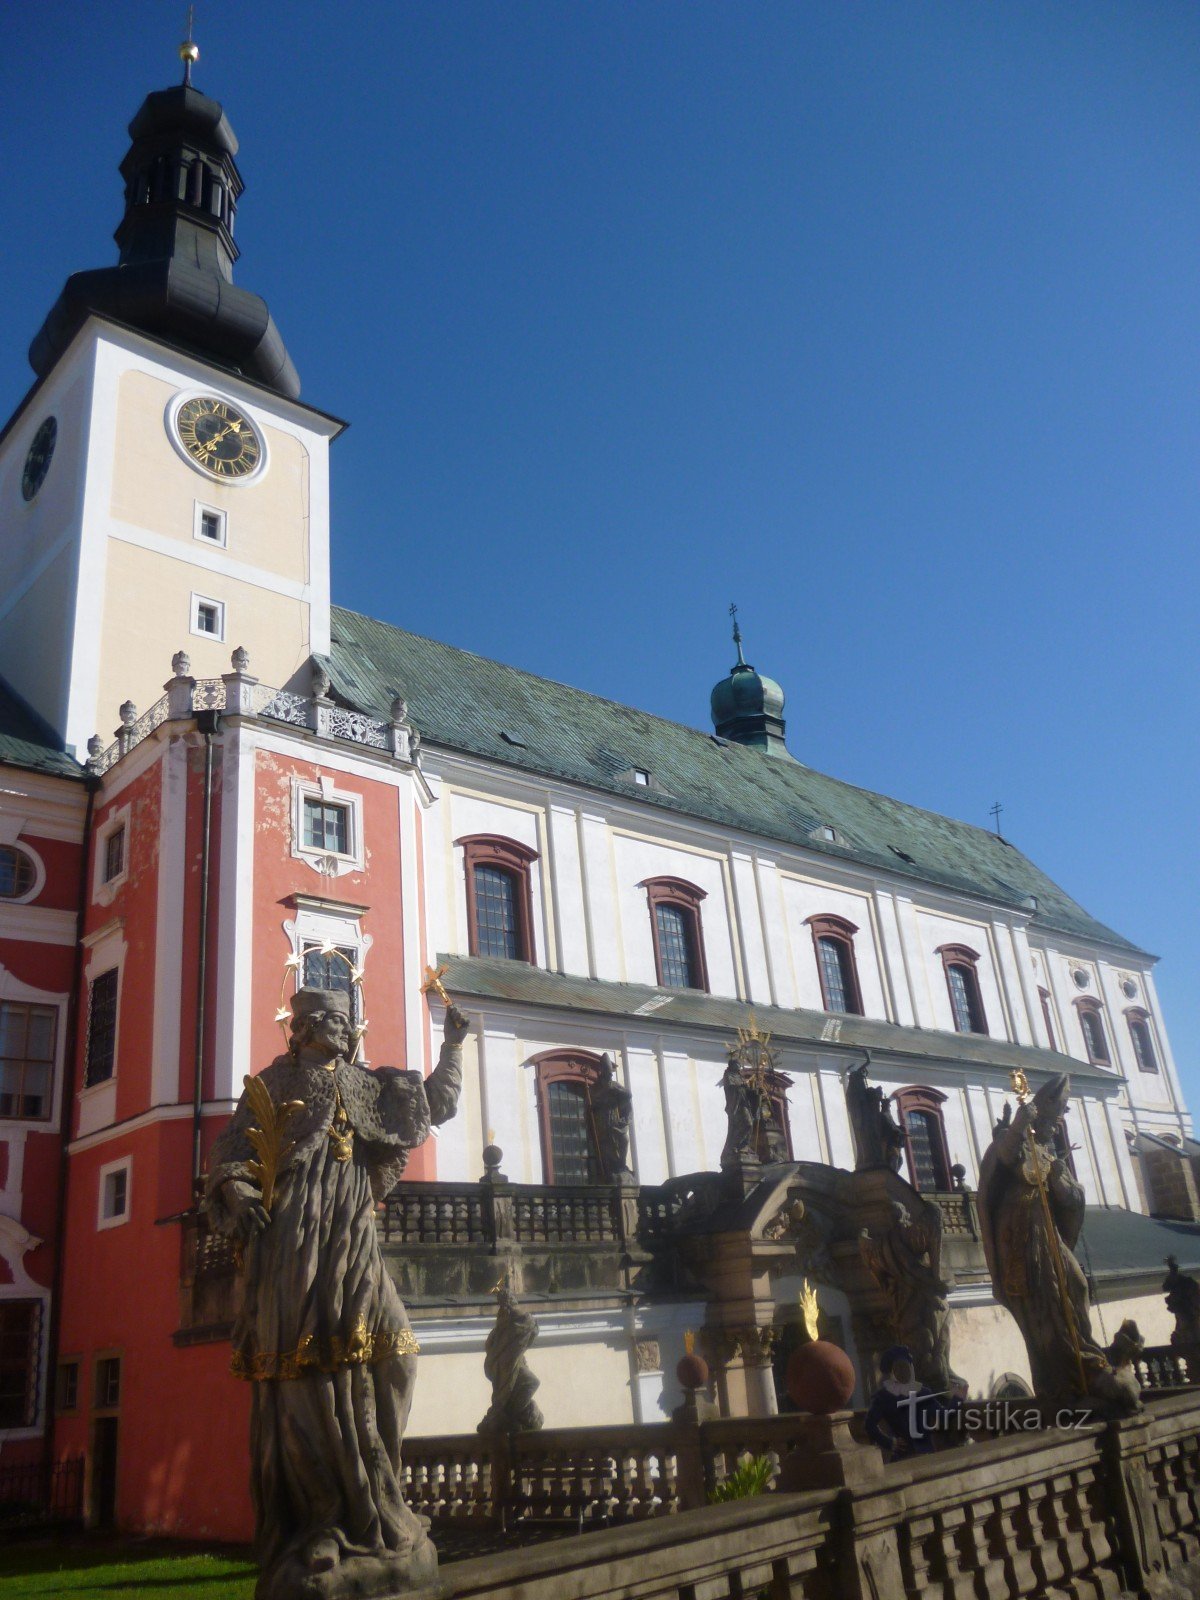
(748, 708)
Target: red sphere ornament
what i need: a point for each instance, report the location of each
(820, 1377)
(692, 1371)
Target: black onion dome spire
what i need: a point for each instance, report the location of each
(747, 707)
(174, 277)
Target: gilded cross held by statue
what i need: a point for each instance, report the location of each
(432, 984)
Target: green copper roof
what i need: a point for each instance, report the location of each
(522, 984)
(468, 703)
(26, 741)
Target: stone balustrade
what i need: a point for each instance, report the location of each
(239, 694)
(1092, 1513)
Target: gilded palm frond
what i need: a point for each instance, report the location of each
(269, 1136)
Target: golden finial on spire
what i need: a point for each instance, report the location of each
(189, 50)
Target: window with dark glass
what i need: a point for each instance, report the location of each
(920, 1114)
(1143, 1041)
(499, 897)
(66, 1393)
(677, 933)
(1047, 1017)
(496, 913)
(20, 1334)
(773, 1132)
(108, 1383)
(330, 969)
(833, 940)
(572, 1140)
(114, 854)
(676, 953)
(962, 981)
(1095, 1041)
(27, 1034)
(102, 1029)
(569, 1148)
(326, 826)
(17, 875)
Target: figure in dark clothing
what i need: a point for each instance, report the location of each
(904, 1416)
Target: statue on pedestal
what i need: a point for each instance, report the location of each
(513, 1408)
(1183, 1301)
(1031, 1214)
(612, 1107)
(906, 1263)
(754, 1129)
(322, 1335)
(878, 1137)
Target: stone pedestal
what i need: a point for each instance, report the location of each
(830, 1458)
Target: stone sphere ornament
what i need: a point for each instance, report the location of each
(692, 1371)
(820, 1377)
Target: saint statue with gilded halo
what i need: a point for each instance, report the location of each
(322, 1335)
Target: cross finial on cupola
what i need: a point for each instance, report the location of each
(737, 636)
(189, 50)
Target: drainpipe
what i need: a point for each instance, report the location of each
(209, 724)
(65, 1115)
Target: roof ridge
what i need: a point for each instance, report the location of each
(686, 727)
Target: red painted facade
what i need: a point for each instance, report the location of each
(165, 1443)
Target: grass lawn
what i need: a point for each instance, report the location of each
(134, 1569)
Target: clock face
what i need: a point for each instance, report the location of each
(218, 438)
(37, 462)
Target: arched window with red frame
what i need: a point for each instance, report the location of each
(962, 981)
(1095, 1039)
(499, 896)
(773, 1137)
(833, 943)
(919, 1110)
(677, 932)
(570, 1151)
(1142, 1038)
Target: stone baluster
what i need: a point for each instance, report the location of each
(179, 687)
(399, 732)
(320, 705)
(124, 734)
(239, 686)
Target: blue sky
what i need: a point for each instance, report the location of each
(879, 319)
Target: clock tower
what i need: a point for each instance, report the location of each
(162, 486)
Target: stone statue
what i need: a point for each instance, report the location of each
(612, 1106)
(1183, 1301)
(513, 1408)
(878, 1138)
(742, 1114)
(1031, 1213)
(1124, 1351)
(906, 1264)
(322, 1335)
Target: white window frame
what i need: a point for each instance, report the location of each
(201, 511)
(106, 950)
(104, 889)
(121, 1164)
(329, 863)
(199, 600)
(319, 922)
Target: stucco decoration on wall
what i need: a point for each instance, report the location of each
(16, 1242)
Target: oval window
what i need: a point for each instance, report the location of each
(17, 873)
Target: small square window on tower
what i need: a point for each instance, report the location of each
(208, 617)
(114, 1193)
(326, 826)
(114, 854)
(209, 525)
